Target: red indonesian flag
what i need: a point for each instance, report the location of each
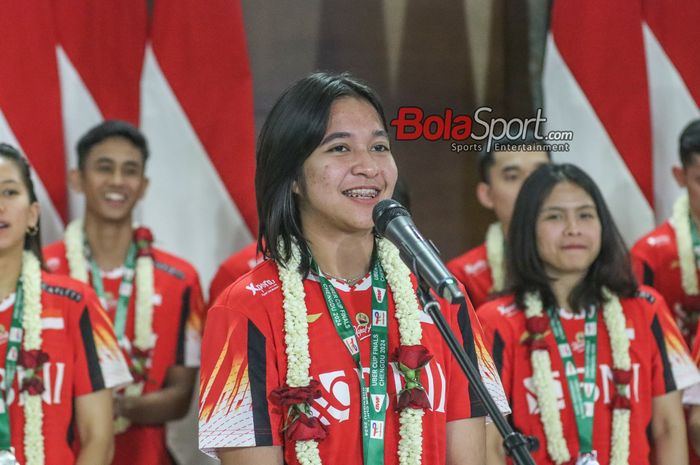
(623, 80)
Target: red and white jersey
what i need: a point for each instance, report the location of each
(233, 268)
(244, 359)
(655, 262)
(473, 270)
(178, 312)
(660, 364)
(84, 357)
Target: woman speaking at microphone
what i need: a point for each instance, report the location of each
(283, 346)
(592, 364)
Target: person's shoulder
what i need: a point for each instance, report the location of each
(660, 238)
(172, 265)
(645, 301)
(474, 261)
(241, 261)
(500, 308)
(65, 288)
(258, 287)
(55, 256)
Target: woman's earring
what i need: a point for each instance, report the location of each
(33, 230)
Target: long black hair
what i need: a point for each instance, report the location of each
(526, 272)
(32, 242)
(292, 131)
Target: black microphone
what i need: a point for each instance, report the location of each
(393, 222)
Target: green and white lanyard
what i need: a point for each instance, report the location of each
(14, 343)
(373, 406)
(582, 395)
(696, 240)
(125, 289)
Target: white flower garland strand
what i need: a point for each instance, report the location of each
(143, 328)
(544, 383)
(544, 387)
(495, 256)
(296, 328)
(680, 221)
(31, 323)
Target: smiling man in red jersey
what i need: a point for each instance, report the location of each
(153, 298)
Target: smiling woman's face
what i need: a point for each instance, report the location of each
(349, 172)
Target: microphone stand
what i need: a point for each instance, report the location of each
(516, 444)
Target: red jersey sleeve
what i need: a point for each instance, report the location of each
(673, 368)
(236, 380)
(191, 323)
(468, 330)
(99, 362)
(222, 279)
(499, 341)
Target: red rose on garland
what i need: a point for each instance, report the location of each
(143, 239)
(411, 361)
(32, 359)
(33, 362)
(300, 424)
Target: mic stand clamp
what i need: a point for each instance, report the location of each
(516, 444)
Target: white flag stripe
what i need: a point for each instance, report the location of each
(567, 108)
(186, 193)
(80, 113)
(51, 223)
(672, 108)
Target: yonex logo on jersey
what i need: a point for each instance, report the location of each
(658, 240)
(264, 287)
(380, 293)
(376, 429)
(379, 317)
(351, 344)
(475, 268)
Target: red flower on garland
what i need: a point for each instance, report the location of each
(286, 396)
(621, 402)
(622, 376)
(143, 238)
(536, 328)
(32, 359)
(305, 428)
(411, 360)
(537, 324)
(299, 424)
(139, 364)
(34, 385)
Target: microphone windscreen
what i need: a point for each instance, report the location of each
(384, 212)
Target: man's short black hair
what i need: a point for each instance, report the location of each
(689, 143)
(486, 159)
(105, 130)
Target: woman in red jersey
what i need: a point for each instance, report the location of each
(284, 345)
(591, 363)
(57, 349)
